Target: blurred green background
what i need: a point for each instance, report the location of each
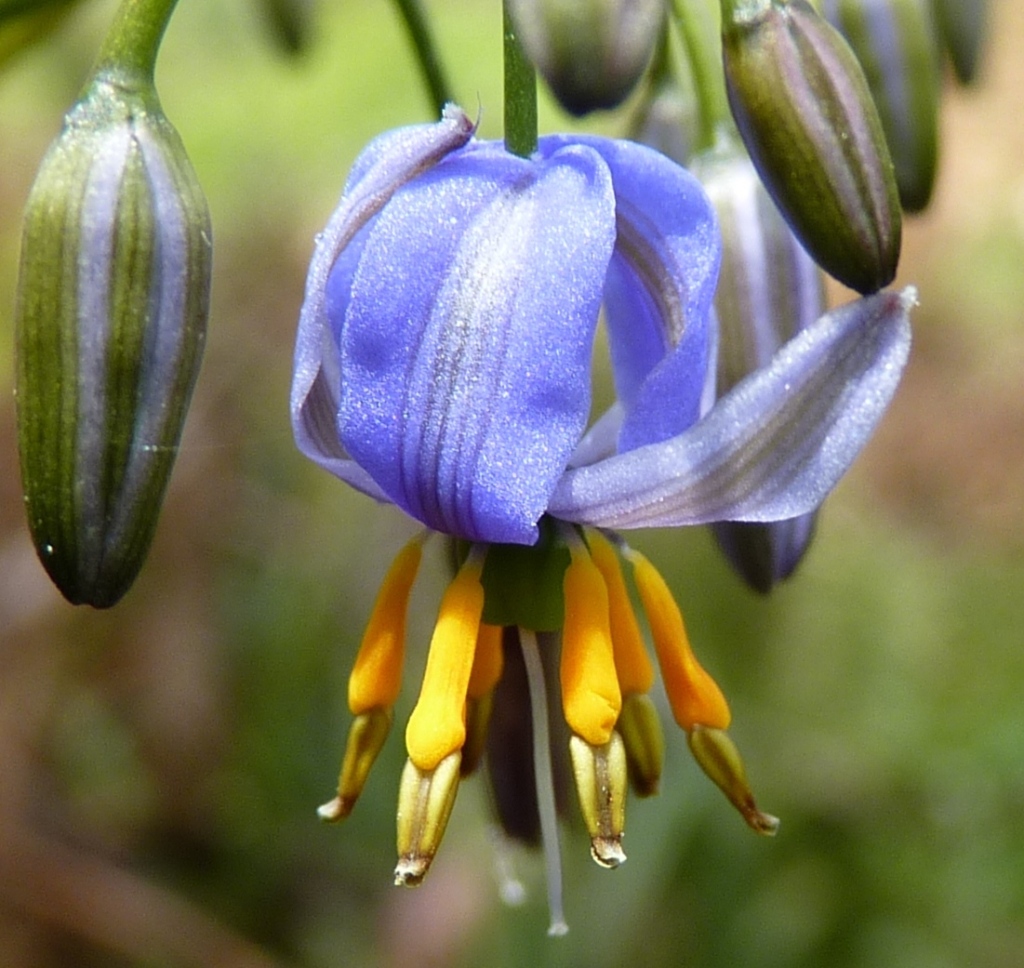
(160, 763)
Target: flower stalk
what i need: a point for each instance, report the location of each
(696, 22)
(133, 40)
(520, 92)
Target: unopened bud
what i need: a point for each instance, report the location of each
(591, 52)
(425, 801)
(667, 120)
(644, 743)
(765, 553)
(365, 739)
(769, 290)
(111, 314)
(717, 756)
(601, 779)
(963, 26)
(805, 113)
(667, 116)
(894, 40)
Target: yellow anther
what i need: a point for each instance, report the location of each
(590, 687)
(720, 760)
(425, 801)
(693, 695)
(488, 661)
(631, 660)
(377, 674)
(478, 721)
(601, 780)
(640, 729)
(365, 740)
(437, 725)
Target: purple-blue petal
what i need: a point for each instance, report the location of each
(467, 332)
(385, 165)
(659, 289)
(770, 449)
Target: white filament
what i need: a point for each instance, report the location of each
(544, 780)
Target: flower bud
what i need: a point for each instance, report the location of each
(894, 40)
(805, 113)
(666, 119)
(591, 52)
(111, 314)
(769, 290)
(667, 116)
(962, 26)
(765, 553)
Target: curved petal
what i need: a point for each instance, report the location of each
(774, 446)
(466, 341)
(659, 290)
(385, 165)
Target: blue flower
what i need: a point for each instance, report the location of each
(444, 348)
(443, 364)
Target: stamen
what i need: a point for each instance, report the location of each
(488, 660)
(437, 725)
(601, 775)
(544, 779)
(640, 729)
(366, 737)
(376, 679)
(632, 664)
(591, 696)
(694, 696)
(511, 889)
(425, 801)
(377, 674)
(720, 760)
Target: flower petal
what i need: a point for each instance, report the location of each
(380, 170)
(771, 448)
(466, 340)
(659, 290)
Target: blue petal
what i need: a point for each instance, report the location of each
(659, 290)
(466, 340)
(770, 449)
(385, 165)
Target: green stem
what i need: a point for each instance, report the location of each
(698, 24)
(133, 41)
(427, 55)
(520, 93)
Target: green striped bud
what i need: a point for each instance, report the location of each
(112, 302)
(806, 116)
(962, 26)
(592, 53)
(894, 40)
